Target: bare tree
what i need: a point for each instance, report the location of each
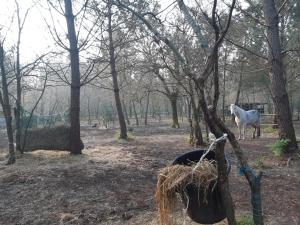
(123, 129)
(74, 47)
(75, 143)
(4, 101)
(171, 94)
(18, 74)
(215, 124)
(276, 76)
(42, 90)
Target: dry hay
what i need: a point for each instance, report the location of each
(175, 178)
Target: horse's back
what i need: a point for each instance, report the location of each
(253, 117)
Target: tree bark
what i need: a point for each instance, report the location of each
(173, 99)
(89, 112)
(112, 60)
(75, 142)
(130, 110)
(198, 139)
(147, 108)
(223, 182)
(238, 93)
(240, 83)
(196, 136)
(220, 157)
(19, 95)
(4, 100)
(135, 113)
(125, 112)
(141, 108)
(189, 117)
(276, 76)
(253, 179)
(224, 83)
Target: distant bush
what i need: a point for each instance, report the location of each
(245, 220)
(280, 146)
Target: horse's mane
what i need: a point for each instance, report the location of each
(239, 108)
(236, 112)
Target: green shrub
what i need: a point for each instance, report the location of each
(279, 146)
(245, 220)
(259, 163)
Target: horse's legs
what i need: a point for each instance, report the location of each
(258, 130)
(244, 125)
(253, 135)
(240, 130)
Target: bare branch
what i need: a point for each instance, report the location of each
(246, 49)
(153, 30)
(196, 27)
(86, 81)
(281, 7)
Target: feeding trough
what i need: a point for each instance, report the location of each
(202, 207)
(195, 180)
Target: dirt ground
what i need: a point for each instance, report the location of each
(113, 181)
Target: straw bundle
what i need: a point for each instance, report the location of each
(174, 179)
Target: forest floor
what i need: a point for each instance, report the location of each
(113, 182)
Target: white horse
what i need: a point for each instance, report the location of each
(243, 118)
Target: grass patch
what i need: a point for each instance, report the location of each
(245, 220)
(259, 163)
(269, 130)
(279, 146)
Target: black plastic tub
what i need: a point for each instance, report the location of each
(200, 211)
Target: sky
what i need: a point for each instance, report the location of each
(36, 38)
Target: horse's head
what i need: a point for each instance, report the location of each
(232, 108)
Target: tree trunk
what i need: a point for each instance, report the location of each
(173, 99)
(253, 179)
(89, 112)
(276, 76)
(238, 93)
(135, 114)
(125, 112)
(189, 117)
(18, 116)
(223, 181)
(196, 125)
(122, 123)
(75, 142)
(4, 100)
(147, 108)
(153, 110)
(18, 100)
(181, 109)
(224, 83)
(130, 110)
(211, 119)
(97, 111)
(141, 109)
